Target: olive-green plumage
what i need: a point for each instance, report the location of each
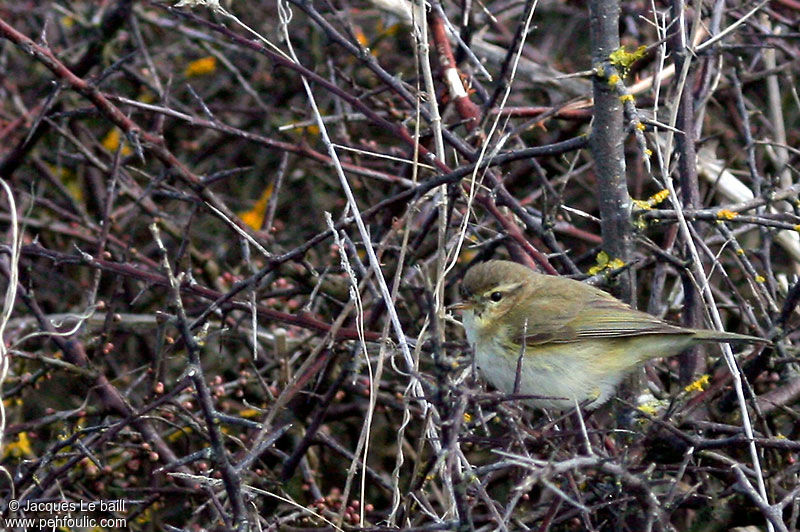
(579, 341)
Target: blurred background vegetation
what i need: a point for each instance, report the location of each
(247, 384)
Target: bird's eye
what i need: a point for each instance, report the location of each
(496, 296)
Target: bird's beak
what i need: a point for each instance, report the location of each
(464, 305)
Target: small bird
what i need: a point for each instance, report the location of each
(575, 341)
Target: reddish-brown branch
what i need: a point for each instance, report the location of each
(303, 320)
(131, 129)
(399, 130)
(467, 110)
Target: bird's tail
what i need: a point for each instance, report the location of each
(706, 335)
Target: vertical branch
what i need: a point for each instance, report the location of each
(422, 52)
(8, 304)
(230, 477)
(691, 360)
(606, 144)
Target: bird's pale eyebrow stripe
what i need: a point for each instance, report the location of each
(508, 287)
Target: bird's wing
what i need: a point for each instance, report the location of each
(588, 314)
(615, 319)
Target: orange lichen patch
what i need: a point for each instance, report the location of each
(201, 67)
(111, 142)
(254, 218)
